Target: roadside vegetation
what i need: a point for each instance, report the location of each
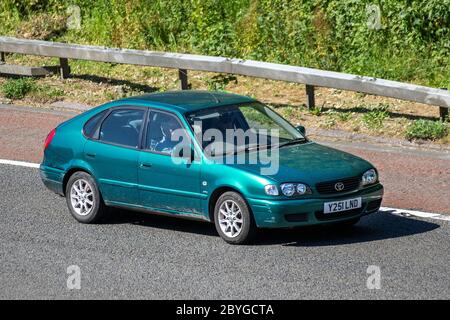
(426, 129)
(17, 89)
(20, 88)
(405, 40)
(409, 42)
(96, 83)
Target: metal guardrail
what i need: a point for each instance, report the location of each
(308, 76)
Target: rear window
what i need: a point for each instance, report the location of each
(122, 127)
(92, 124)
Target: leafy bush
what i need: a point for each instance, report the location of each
(18, 88)
(426, 129)
(412, 42)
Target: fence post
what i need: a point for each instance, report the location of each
(2, 57)
(311, 101)
(183, 76)
(443, 112)
(64, 69)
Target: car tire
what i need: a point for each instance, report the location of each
(84, 199)
(233, 219)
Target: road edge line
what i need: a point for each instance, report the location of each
(415, 213)
(19, 163)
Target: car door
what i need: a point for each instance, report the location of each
(167, 184)
(113, 153)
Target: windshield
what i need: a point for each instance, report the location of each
(241, 127)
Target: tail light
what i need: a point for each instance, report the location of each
(49, 138)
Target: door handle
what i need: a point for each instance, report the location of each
(90, 155)
(146, 165)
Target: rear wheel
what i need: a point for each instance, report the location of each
(233, 219)
(84, 199)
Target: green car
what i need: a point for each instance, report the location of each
(212, 156)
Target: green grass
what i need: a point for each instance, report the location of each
(18, 88)
(426, 130)
(46, 93)
(344, 116)
(374, 118)
(316, 111)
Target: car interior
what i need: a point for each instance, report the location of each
(122, 127)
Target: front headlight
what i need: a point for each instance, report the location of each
(369, 177)
(302, 188)
(288, 189)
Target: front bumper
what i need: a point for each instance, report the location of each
(300, 212)
(52, 178)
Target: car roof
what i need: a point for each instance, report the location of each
(189, 100)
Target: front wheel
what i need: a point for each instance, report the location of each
(233, 219)
(83, 198)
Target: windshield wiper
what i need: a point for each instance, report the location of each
(247, 149)
(292, 142)
(257, 147)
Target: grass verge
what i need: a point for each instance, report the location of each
(93, 83)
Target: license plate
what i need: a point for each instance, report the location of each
(343, 205)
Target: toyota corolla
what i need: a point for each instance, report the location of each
(213, 156)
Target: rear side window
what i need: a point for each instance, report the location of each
(123, 127)
(92, 124)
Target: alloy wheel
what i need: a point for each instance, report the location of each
(82, 197)
(230, 218)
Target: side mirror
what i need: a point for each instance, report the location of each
(183, 151)
(301, 129)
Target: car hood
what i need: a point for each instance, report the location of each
(309, 163)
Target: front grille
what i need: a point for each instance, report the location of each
(328, 187)
(337, 215)
(374, 205)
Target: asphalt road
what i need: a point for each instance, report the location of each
(133, 255)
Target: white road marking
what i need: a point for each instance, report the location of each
(394, 211)
(414, 213)
(19, 163)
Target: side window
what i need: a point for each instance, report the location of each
(122, 126)
(163, 132)
(91, 125)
